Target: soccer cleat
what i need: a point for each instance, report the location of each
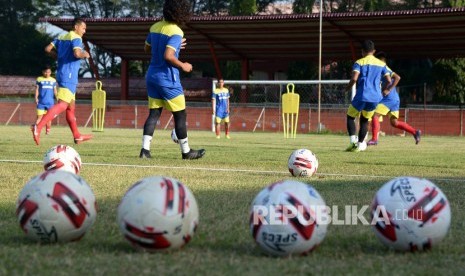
(144, 153)
(372, 143)
(228, 137)
(83, 138)
(361, 146)
(194, 154)
(352, 147)
(35, 134)
(417, 136)
(217, 137)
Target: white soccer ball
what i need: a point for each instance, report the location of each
(56, 206)
(62, 157)
(302, 162)
(174, 137)
(158, 213)
(288, 218)
(410, 214)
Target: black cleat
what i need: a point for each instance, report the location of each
(145, 153)
(194, 154)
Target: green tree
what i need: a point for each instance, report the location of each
(243, 7)
(449, 81)
(22, 54)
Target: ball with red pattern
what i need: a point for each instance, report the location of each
(410, 214)
(302, 162)
(62, 157)
(56, 206)
(158, 213)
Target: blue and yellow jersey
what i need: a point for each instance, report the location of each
(221, 96)
(46, 90)
(68, 64)
(371, 71)
(392, 96)
(164, 34)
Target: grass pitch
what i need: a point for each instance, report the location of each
(224, 183)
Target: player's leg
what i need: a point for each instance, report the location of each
(352, 113)
(71, 119)
(226, 127)
(49, 116)
(367, 113)
(374, 130)
(149, 128)
(180, 127)
(406, 127)
(217, 127)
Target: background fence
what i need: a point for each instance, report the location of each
(432, 120)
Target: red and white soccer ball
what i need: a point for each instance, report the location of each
(288, 218)
(62, 157)
(302, 162)
(411, 214)
(56, 206)
(158, 213)
(174, 137)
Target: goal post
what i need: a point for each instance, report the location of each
(265, 95)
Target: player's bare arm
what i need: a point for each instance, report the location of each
(50, 50)
(170, 57)
(147, 48)
(353, 80)
(80, 53)
(389, 85)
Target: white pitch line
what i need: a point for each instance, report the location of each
(230, 170)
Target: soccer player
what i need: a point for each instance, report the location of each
(164, 89)
(69, 50)
(367, 73)
(220, 107)
(390, 105)
(46, 92)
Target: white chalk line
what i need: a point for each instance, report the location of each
(229, 170)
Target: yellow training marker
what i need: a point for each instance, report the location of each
(290, 107)
(98, 107)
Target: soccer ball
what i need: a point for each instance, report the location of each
(288, 217)
(174, 137)
(62, 157)
(302, 162)
(158, 213)
(56, 206)
(410, 214)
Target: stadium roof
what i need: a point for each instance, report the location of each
(432, 33)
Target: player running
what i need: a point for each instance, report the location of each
(390, 105)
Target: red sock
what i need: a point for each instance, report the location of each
(217, 130)
(51, 114)
(406, 127)
(375, 128)
(226, 129)
(71, 119)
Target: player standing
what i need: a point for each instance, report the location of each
(220, 107)
(390, 104)
(164, 89)
(45, 94)
(367, 73)
(69, 50)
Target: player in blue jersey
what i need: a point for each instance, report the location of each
(220, 107)
(68, 50)
(164, 89)
(46, 92)
(366, 73)
(390, 104)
